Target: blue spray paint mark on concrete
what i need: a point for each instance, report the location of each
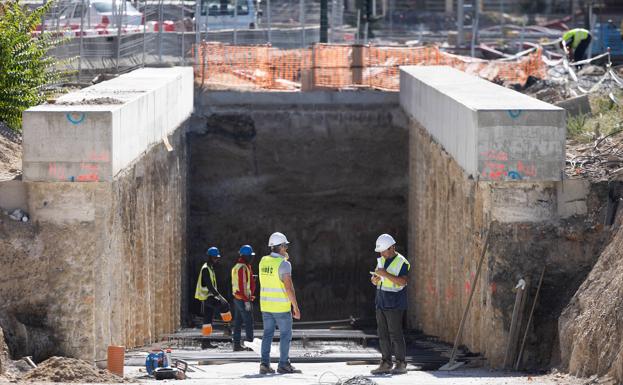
(514, 113)
(514, 175)
(75, 117)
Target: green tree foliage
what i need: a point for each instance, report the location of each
(26, 71)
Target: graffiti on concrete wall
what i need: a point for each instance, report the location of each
(88, 172)
(496, 165)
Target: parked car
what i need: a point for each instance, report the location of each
(97, 14)
(220, 14)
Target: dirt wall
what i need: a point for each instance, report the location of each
(591, 326)
(331, 177)
(99, 263)
(449, 214)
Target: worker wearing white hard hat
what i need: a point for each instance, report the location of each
(278, 303)
(390, 278)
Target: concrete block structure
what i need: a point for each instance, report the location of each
(105, 175)
(485, 158)
(92, 134)
(493, 132)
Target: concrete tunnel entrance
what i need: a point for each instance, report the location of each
(332, 175)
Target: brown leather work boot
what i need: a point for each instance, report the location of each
(384, 368)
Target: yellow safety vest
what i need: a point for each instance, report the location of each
(201, 292)
(234, 280)
(273, 297)
(578, 34)
(393, 269)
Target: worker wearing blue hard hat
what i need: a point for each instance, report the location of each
(207, 292)
(243, 289)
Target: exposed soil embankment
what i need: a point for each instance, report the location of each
(591, 326)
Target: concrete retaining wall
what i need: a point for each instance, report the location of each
(492, 132)
(110, 251)
(535, 221)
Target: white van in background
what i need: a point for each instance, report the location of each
(220, 14)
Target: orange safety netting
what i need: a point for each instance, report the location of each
(343, 66)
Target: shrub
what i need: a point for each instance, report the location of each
(26, 71)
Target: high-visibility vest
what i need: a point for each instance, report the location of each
(235, 284)
(201, 292)
(393, 269)
(578, 34)
(273, 297)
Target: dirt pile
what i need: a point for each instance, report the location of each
(10, 153)
(62, 369)
(591, 326)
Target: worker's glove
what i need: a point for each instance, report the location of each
(247, 306)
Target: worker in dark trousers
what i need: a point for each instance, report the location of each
(243, 288)
(207, 292)
(577, 41)
(390, 279)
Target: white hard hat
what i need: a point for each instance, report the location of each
(384, 242)
(277, 239)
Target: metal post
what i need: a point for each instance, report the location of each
(268, 20)
(183, 32)
(118, 18)
(460, 16)
(236, 21)
(324, 23)
(197, 31)
(358, 25)
(43, 17)
(89, 14)
(590, 28)
(81, 40)
(475, 27)
(391, 17)
(144, 31)
(302, 21)
(160, 28)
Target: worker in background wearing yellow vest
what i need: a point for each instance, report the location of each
(207, 292)
(243, 287)
(576, 42)
(390, 278)
(278, 303)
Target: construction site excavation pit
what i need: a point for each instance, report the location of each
(328, 169)
(125, 198)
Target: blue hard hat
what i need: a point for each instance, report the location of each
(246, 250)
(213, 252)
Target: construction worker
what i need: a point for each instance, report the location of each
(243, 287)
(207, 292)
(278, 303)
(390, 279)
(576, 42)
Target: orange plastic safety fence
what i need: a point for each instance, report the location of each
(343, 66)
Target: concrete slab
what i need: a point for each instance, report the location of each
(572, 196)
(231, 98)
(494, 133)
(580, 105)
(92, 134)
(331, 373)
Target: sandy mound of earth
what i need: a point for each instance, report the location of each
(62, 369)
